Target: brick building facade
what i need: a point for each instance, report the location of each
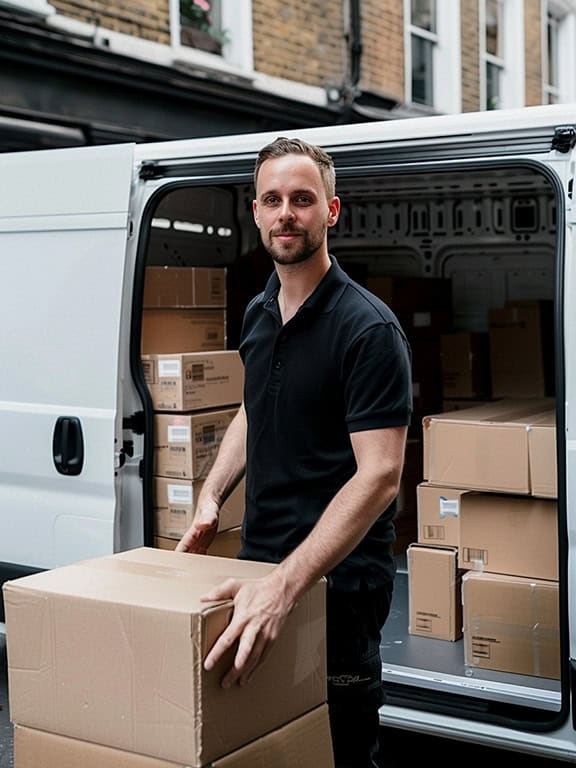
(93, 71)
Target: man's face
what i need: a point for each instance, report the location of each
(291, 208)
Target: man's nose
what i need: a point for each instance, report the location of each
(286, 212)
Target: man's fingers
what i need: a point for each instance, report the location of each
(224, 642)
(225, 591)
(257, 655)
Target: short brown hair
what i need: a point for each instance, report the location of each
(283, 146)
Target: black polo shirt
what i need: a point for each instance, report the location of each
(340, 365)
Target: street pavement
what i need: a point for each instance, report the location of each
(400, 748)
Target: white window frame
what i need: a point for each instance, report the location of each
(565, 13)
(237, 51)
(512, 61)
(446, 75)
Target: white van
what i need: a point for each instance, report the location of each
(483, 200)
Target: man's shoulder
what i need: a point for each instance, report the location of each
(366, 305)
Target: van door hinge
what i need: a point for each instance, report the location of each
(564, 138)
(151, 170)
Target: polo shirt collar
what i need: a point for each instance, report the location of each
(325, 295)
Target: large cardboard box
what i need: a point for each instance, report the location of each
(465, 361)
(515, 535)
(304, 742)
(184, 287)
(434, 593)
(226, 543)
(175, 504)
(186, 444)
(110, 651)
(182, 330)
(483, 448)
(542, 452)
(522, 349)
(439, 515)
(511, 624)
(195, 381)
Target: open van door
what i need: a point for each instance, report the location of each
(63, 234)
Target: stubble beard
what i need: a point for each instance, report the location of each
(295, 253)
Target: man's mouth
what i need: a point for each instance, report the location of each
(286, 233)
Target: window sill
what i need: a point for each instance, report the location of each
(37, 7)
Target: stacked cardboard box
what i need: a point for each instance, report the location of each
(488, 536)
(184, 310)
(196, 387)
(105, 667)
(512, 358)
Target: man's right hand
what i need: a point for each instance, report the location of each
(204, 527)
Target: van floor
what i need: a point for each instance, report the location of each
(445, 671)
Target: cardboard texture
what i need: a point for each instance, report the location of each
(226, 543)
(175, 504)
(483, 448)
(110, 651)
(195, 381)
(434, 592)
(521, 352)
(439, 515)
(184, 287)
(465, 360)
(515, 535)
(186, 444)
(511, 624)
(542, 452)
(182, 330)
(304, 742)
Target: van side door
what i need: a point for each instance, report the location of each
(63, 232)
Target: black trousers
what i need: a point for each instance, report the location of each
(353, 623)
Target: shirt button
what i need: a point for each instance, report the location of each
(277, 364)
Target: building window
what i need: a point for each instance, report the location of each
(493, 53)
(201, 25)
(213, 33)
(558, 51)
(550, 60)
(432, 55)
(502, 67)
(423, 39)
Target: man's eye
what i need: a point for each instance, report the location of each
(303, 200)
(270, 200)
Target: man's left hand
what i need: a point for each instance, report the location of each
(260, 610)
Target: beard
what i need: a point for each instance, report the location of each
(297, 251)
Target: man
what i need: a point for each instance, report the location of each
(321, 436)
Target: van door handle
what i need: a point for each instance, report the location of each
(68, 445)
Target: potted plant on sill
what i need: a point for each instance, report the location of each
(197, 26)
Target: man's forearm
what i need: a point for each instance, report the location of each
(230, 463)
(350, 514)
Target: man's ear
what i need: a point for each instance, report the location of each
(255, 212)
(333, 211)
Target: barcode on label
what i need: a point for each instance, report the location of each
(435, 532)
(180, 494)
(178, 434)
(198, 372)
(475, 556)
(169, 369)
(208, 434)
